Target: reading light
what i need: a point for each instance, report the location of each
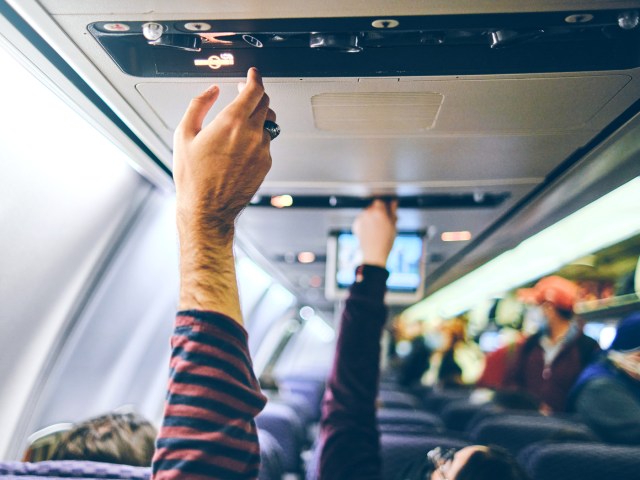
(456, 236)
(152, 31)
(253, 41)
(282, 201)
(628, 20)
(306, 257)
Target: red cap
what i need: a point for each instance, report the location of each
(556, 290)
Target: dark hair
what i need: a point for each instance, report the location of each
(124, 438)
(494, 463)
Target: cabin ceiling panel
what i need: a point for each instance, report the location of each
(453, 105)
(445, 162)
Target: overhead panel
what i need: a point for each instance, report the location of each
(369, 46)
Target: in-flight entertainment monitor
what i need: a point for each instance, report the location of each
(405, 264)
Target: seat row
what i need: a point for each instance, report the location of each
(410, 425)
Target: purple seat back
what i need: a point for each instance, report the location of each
(586, 461)
(514, 432)
(389, 399)
(399, 417)
(399, 451)
(271, 457)
(282, 422)
(72, 468)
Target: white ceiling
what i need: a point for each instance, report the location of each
(491, 133)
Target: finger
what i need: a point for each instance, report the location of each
(191, 122)
(259, 115)
(251, 94)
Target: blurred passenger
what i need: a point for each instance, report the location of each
(548, 363)
(449, 372)
(457, 361)
(412, 353)
(349, 435)
(496, 364)
(607, 394)
(124, 438)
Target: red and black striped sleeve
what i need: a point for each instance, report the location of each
(208, 430)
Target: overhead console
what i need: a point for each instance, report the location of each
(375, 47)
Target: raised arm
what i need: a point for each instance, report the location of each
(349, 436)
(208, 430)
(217, 169)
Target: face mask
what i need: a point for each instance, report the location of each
(535, 321)
(434, 341)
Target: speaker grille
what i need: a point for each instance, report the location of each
(376, 112)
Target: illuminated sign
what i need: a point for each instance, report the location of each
(215, 62)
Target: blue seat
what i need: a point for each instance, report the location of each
(72, 468)
(514, 432)
(435, 400)
(306, 412)
(399, 451)
(282, 422)
(399, 420)
(310, 388)
(458, 414)
(393, 399)
(584, 461)
(271, 457)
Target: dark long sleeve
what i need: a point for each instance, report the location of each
(349, 435)
(208, 431)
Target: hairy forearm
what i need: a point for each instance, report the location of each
(207, 268)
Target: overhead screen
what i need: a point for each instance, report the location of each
(405, 265)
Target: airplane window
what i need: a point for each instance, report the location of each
(606, 336)
(310, 352)
(253, 282)
(275, 303)
(65, 192)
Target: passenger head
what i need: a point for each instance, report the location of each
(553, 291)
(455, 331)
(625, 348)
(479, 463)
(123, 438)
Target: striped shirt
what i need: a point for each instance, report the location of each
(208, 431)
